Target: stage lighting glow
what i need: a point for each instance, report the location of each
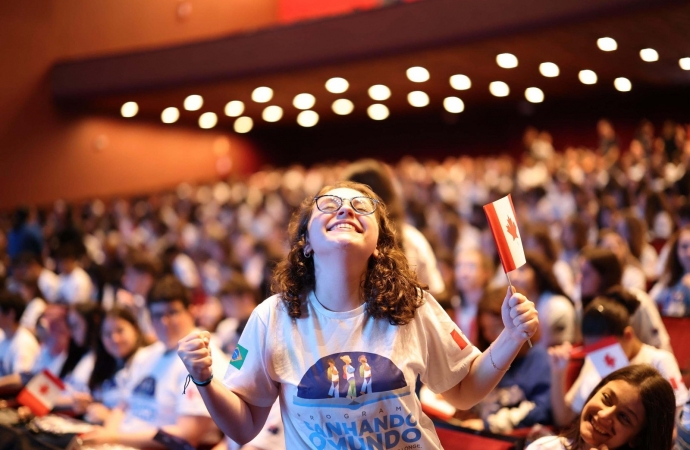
(622, 84)
(418, 99)
(243, 124)
(649, 55)
(534, 95)
(208, 120)
(417, 74)
(337, 85)
(453, 105)
(507, 60)
(272, 113)
(234, 108)
(607, 44)
(129, 109)
(499, 89)
(549, 69)
(460, 82)
(378, 111)
(262, 94)
(587, 77)
(193, 102)
(307, 118)
(379, 92)
(684, 63)
(343, 107)
(170, 115)
(303, 101)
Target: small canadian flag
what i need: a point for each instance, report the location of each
(607, 355)
(501, 217)
(41, 392)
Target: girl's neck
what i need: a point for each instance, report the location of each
(338, 286)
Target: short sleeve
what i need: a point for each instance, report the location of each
(449, 353)
(247, 374)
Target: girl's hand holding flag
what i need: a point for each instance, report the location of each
(519, 314)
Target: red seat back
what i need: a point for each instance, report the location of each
(456, 439)
(679, 330)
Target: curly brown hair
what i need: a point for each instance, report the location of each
(390, 289)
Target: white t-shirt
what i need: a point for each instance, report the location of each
(556, 319)
(661, 360)
(49, 283)
(33, 311)
(156, 382)
(278, 356)
(52, 363)
(548, 443)
(18, 355)
(78, 379)
(421, 258)
(113, 391)
(75, 287)
(647, 322)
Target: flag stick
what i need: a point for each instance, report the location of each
(513, 290)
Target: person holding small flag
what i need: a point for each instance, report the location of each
(346, 289)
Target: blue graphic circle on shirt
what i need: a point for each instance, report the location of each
(334, 377)
(236, 354)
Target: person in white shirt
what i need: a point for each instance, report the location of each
(157, 381)
(420, 256)
(75, 284)
(19, 349)
(346, 291)
(632, 407)
(473, 270)
(604, 317)
(28, 266)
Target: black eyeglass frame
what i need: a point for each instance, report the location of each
(341, 202)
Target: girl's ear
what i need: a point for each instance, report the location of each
(376, 253)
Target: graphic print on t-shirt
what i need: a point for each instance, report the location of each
(350, 380)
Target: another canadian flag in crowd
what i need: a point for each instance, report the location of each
(41, 392)
(607, 355)
(501, 216)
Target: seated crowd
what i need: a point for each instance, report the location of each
(99, 292)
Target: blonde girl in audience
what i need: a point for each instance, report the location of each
(632, 407)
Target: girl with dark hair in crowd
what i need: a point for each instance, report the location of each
(345, 290)
(556, 311)
(633, 277)
(607, 316)
(632, 407)
(634, 232)
(600, 270)
(120, 340)
(672, 292)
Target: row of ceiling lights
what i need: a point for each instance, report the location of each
(380, 92)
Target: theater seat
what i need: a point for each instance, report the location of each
(679, 330)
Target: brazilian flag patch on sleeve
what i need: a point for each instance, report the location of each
(238, 357)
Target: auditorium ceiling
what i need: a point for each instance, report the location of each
(300, 59)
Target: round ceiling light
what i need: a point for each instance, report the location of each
(343, 106)
(307, 118)
(262, 94)
(549, 69)
(499, 89)
(243, 124)
(304, 101)
(378, 111)
(460, 82)
(453, 105)
(170, 115)
(129, 109)
(507, 60)
(337, 85)
(234, 108)
(417, 74)
(193, 102)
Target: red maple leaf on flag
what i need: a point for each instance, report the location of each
(43, 389)
(674, 385)
(610, 360)
(512, 228)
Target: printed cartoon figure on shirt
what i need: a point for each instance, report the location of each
(349, 375)
(333, 376)
(321, 384)
(365, 373)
